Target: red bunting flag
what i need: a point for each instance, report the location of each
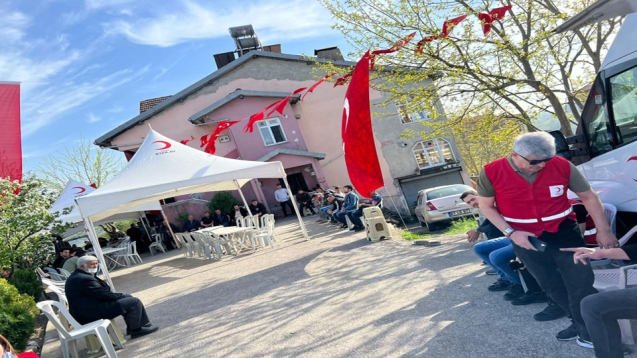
(397, 46)
(257, 117)
(493, 15)
(222, 126)
(203, 140)
(93, 185)
(342, 80)
(311, 89)
(421, 43)
(359, 149)
(280, 105)
(448, 26)
(10, 142)
(186, 141)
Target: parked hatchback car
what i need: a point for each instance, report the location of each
(441, 204)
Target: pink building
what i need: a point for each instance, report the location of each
(306, 138)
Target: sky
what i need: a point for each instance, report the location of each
(84, 65)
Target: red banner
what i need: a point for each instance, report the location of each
(358, 136)
(10, 137)
(222, 126)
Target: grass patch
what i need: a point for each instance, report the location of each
(457, 227)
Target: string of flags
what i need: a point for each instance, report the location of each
(486, 19)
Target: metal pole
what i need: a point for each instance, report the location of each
(296, 209)
(236, 183)
(92, 235)
(177, 244)
(145, 223)
(394, 203)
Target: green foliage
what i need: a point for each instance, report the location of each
(26, 281)
(457, 227)
(223, 201)
(183, 217)
(25, 239)
(17, 315)
(521, 70)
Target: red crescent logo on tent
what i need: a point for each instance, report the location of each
(632, 158)
(81, 189)
(166, 144)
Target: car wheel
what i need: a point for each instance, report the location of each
(423, 224)
(432, 226)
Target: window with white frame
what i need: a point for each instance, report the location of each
(409, 115)
(271, 131)
(433, 152)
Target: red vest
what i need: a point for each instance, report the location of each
(537, 207)
(590, 233)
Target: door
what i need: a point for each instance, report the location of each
(296, 181)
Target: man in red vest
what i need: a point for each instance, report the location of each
(524, 195)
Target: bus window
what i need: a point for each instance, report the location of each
(595, 120)
(623, 88)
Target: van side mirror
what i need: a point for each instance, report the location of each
(562, 148)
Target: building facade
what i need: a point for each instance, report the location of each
(306, 138)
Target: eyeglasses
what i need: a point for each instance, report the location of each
(536, 161)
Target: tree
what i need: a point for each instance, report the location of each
(522, 69)
(25, 224)
(84, 162)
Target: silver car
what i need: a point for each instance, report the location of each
(442, 204)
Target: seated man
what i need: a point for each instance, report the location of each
(256, 208)
(602, 310)
(191, 224)
(65, 253)
(167, 237)
(237, 212)
(349, 204)
(333, 206)
(305, 201)
(91, 299)
(206, 220)
(355, 216)
(70, 264)
(220, 219)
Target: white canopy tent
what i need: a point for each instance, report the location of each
(164, 168)
(75, 189)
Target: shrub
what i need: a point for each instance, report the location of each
(26, 281)
(17, 315)
(223, 201)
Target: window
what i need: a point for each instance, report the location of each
(433, 152)
(271, 131)
(408, 115)
(624, 103)
(595, 120)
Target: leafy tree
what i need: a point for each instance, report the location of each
(522, 69)
(26, 241)
(84, 162)
(17, 315)
(223, 201)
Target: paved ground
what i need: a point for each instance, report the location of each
(334, 296)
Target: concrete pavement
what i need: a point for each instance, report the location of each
(334, 296)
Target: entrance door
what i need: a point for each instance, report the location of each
(296, 181)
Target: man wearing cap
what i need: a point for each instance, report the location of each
(91, 299)
(524, 195)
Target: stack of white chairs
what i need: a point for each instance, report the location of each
(54, 274)
(185, 243)
(264, 231)
(202, 244)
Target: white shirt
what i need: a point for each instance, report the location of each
(237, 214)
(281, 195)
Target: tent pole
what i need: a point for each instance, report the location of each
(296, 209)
(236, 183)
(88, 226)
(170, 229)
(146, 225)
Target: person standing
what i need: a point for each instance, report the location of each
(524, 195)
(282, 196)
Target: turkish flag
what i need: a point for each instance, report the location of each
(280, 105)
(493, 15)
(222, 126)
(450, 24)
(10, 137)
(397, 46)
(342, 80)
(311, 89)
(359, 149)
(186, 141)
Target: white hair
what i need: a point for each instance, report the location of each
(85, 259)
(539, 144)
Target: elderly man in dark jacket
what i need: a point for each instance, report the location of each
(91, 299)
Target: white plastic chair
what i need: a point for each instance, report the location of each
(181, 237)
(55, 275)
(157, 244)
(64, 272)
(132, 255)
(202, 243)
(68, 338)
(124, 254)
(49, 283)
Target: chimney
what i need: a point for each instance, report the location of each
(272, 48)
(329, 53)
(150, 103)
